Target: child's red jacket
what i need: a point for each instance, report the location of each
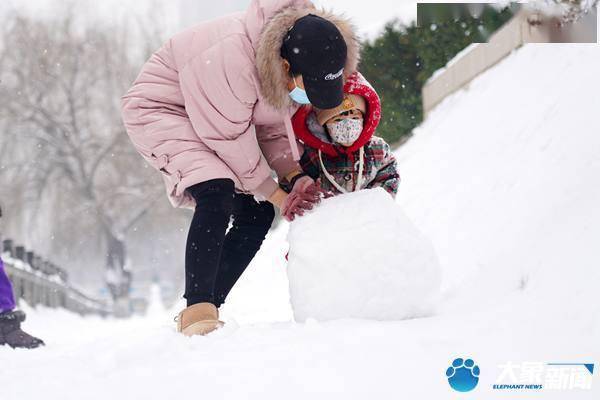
(340, 167)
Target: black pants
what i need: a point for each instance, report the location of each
(215, 258)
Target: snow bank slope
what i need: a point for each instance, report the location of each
(504, 178)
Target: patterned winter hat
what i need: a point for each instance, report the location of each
(351, 102)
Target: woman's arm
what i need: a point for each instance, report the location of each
(220, 99)
(275, 146)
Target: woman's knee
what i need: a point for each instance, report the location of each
(266, 214)
(259, 215)
(215, 195)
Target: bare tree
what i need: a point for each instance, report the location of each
(60, 91)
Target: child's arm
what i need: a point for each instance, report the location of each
(308, 165)
(387, 176)
(309, 162)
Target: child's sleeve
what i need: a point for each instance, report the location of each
(309, 162)
(387, 176)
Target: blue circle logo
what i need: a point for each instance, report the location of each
(463, 375)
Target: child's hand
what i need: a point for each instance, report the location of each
(317, 190)
(307, 185)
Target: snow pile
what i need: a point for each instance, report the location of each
(358, 256)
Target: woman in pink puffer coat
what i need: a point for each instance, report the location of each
(211, 111)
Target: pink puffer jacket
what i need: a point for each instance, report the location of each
(213, 102)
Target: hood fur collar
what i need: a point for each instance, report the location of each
(273, 79)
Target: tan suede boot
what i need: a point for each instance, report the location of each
(198, 319)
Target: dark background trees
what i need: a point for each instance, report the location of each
(400, 60)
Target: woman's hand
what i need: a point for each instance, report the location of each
(296, 204)
(293, 204)
(278, 198)
(304, 195)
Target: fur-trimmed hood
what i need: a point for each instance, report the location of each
(273, 79)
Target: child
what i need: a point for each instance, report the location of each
(10, 320)
(340, 148)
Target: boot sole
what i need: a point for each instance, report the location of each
(202, 328)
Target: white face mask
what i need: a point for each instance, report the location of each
(345, 131)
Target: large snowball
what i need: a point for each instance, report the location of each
(358, 256)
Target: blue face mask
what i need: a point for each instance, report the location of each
(299, 95)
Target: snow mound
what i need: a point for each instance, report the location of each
(358, 256)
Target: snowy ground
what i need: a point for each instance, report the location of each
(503, 178)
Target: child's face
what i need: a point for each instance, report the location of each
(345, 128)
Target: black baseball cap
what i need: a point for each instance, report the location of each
(315, 48)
